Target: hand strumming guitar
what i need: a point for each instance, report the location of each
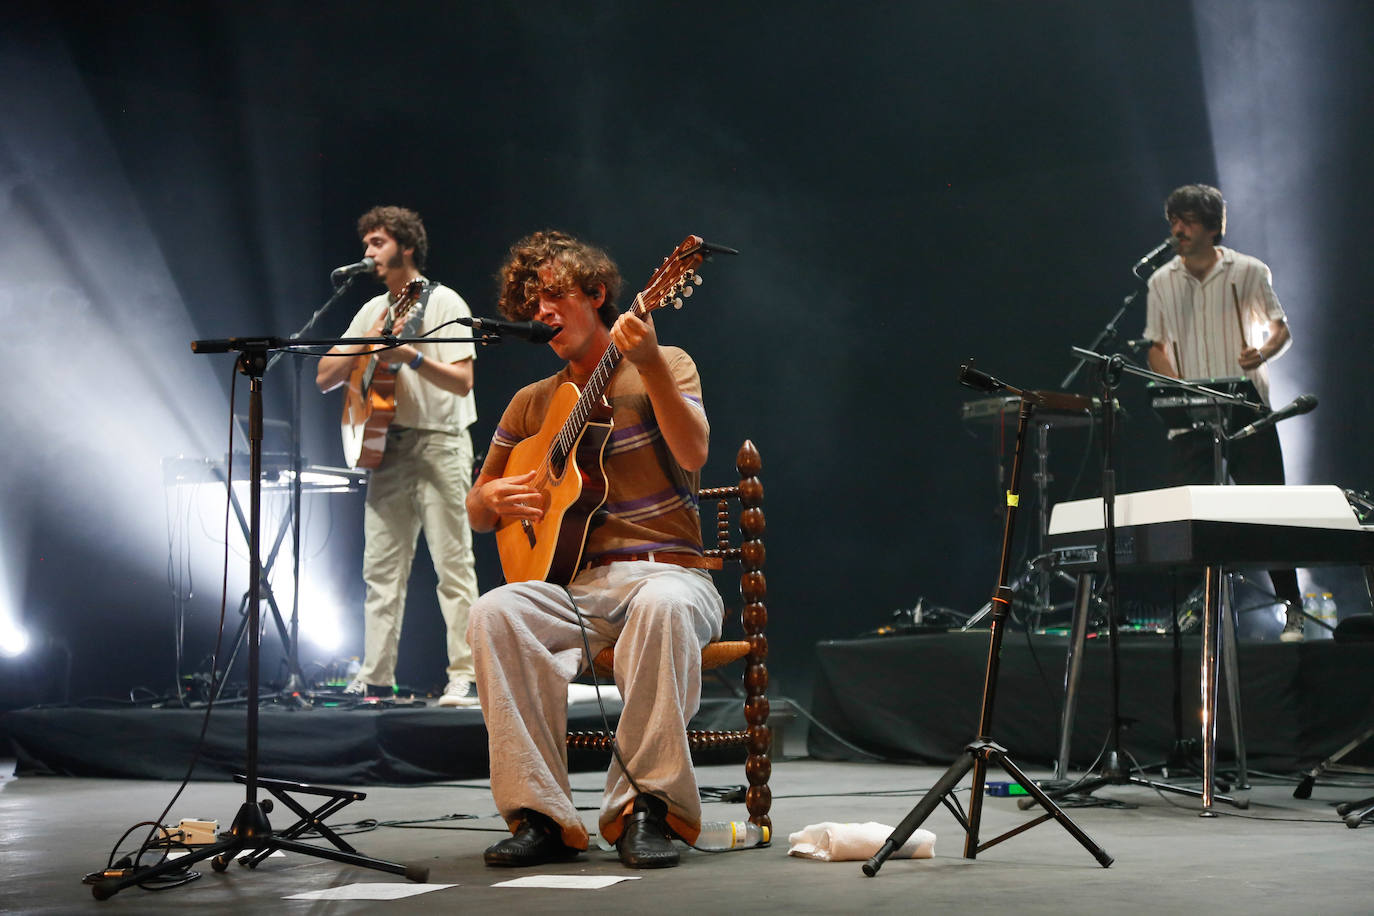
(492, 499)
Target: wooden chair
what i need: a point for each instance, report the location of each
(739, 539)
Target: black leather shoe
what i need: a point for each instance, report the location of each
(645, 843)
(537, 841)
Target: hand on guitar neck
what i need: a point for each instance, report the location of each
(684, 428)
(396, 355)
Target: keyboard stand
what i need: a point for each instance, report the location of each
(1218, 650)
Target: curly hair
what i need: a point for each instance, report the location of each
(1202, 202)
(575, 264)
(404, 226)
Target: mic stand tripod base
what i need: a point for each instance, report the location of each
(976, 756)
(251, 839)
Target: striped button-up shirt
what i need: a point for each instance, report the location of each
(1204, 324)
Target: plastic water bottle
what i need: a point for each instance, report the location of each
(1326, 613)
(1309, 606)
(731, 835)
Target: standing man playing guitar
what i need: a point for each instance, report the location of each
(638, 579)
(422, 460)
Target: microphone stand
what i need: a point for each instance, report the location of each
(296, 690)
(1104, 338)
(251, 832)
(983, 750)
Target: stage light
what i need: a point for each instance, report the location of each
(1269, 86)
(14, 641)
(129, 390)
(318, 617)
(319, 622)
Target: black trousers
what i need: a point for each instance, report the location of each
(1257, 459)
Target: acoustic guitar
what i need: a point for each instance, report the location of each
(566, 452)
(370, 402)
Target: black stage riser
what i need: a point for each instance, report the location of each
(350, 747)
(917, 696)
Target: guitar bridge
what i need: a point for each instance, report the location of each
(528, 528)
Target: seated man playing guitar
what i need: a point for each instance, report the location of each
(616, 460)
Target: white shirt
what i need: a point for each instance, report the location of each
(1204, 324)
(421, 404)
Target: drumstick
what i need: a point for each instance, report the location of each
(1240, 322)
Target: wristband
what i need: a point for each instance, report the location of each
(415, 363)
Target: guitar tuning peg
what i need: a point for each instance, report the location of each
(687, 292)
(677, 303)
(696, 279)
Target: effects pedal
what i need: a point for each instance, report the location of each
(198, 831)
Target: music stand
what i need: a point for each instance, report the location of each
(982, 750)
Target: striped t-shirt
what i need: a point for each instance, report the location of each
(1204, 324)
(651, 502)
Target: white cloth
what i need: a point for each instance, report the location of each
(419, 404)
(1204, 324)
(832, 842)
(528, 645)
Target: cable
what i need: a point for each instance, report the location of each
(156, 825)
(846, 743)
(591, 668)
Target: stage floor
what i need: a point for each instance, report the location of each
(1282, 855)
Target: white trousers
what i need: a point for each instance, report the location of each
(528, 645)
(422, 484)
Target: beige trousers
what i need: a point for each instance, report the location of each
(422, 484)
(528, 645)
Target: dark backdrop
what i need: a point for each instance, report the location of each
(909, 185)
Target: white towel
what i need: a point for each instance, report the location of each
(831, 842)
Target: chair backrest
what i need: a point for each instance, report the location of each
(739, 537)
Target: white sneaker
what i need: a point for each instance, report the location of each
(356, 688)
(586, 693)
(461, 691)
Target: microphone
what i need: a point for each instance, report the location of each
(1303, 403)
(1139, 343)
(978, 380)
(1157, 258)
(533, 331)
(348, 271)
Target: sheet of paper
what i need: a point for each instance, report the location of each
(568, 882)
(377, 891)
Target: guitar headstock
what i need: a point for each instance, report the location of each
(677, 276)
(411, 294)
